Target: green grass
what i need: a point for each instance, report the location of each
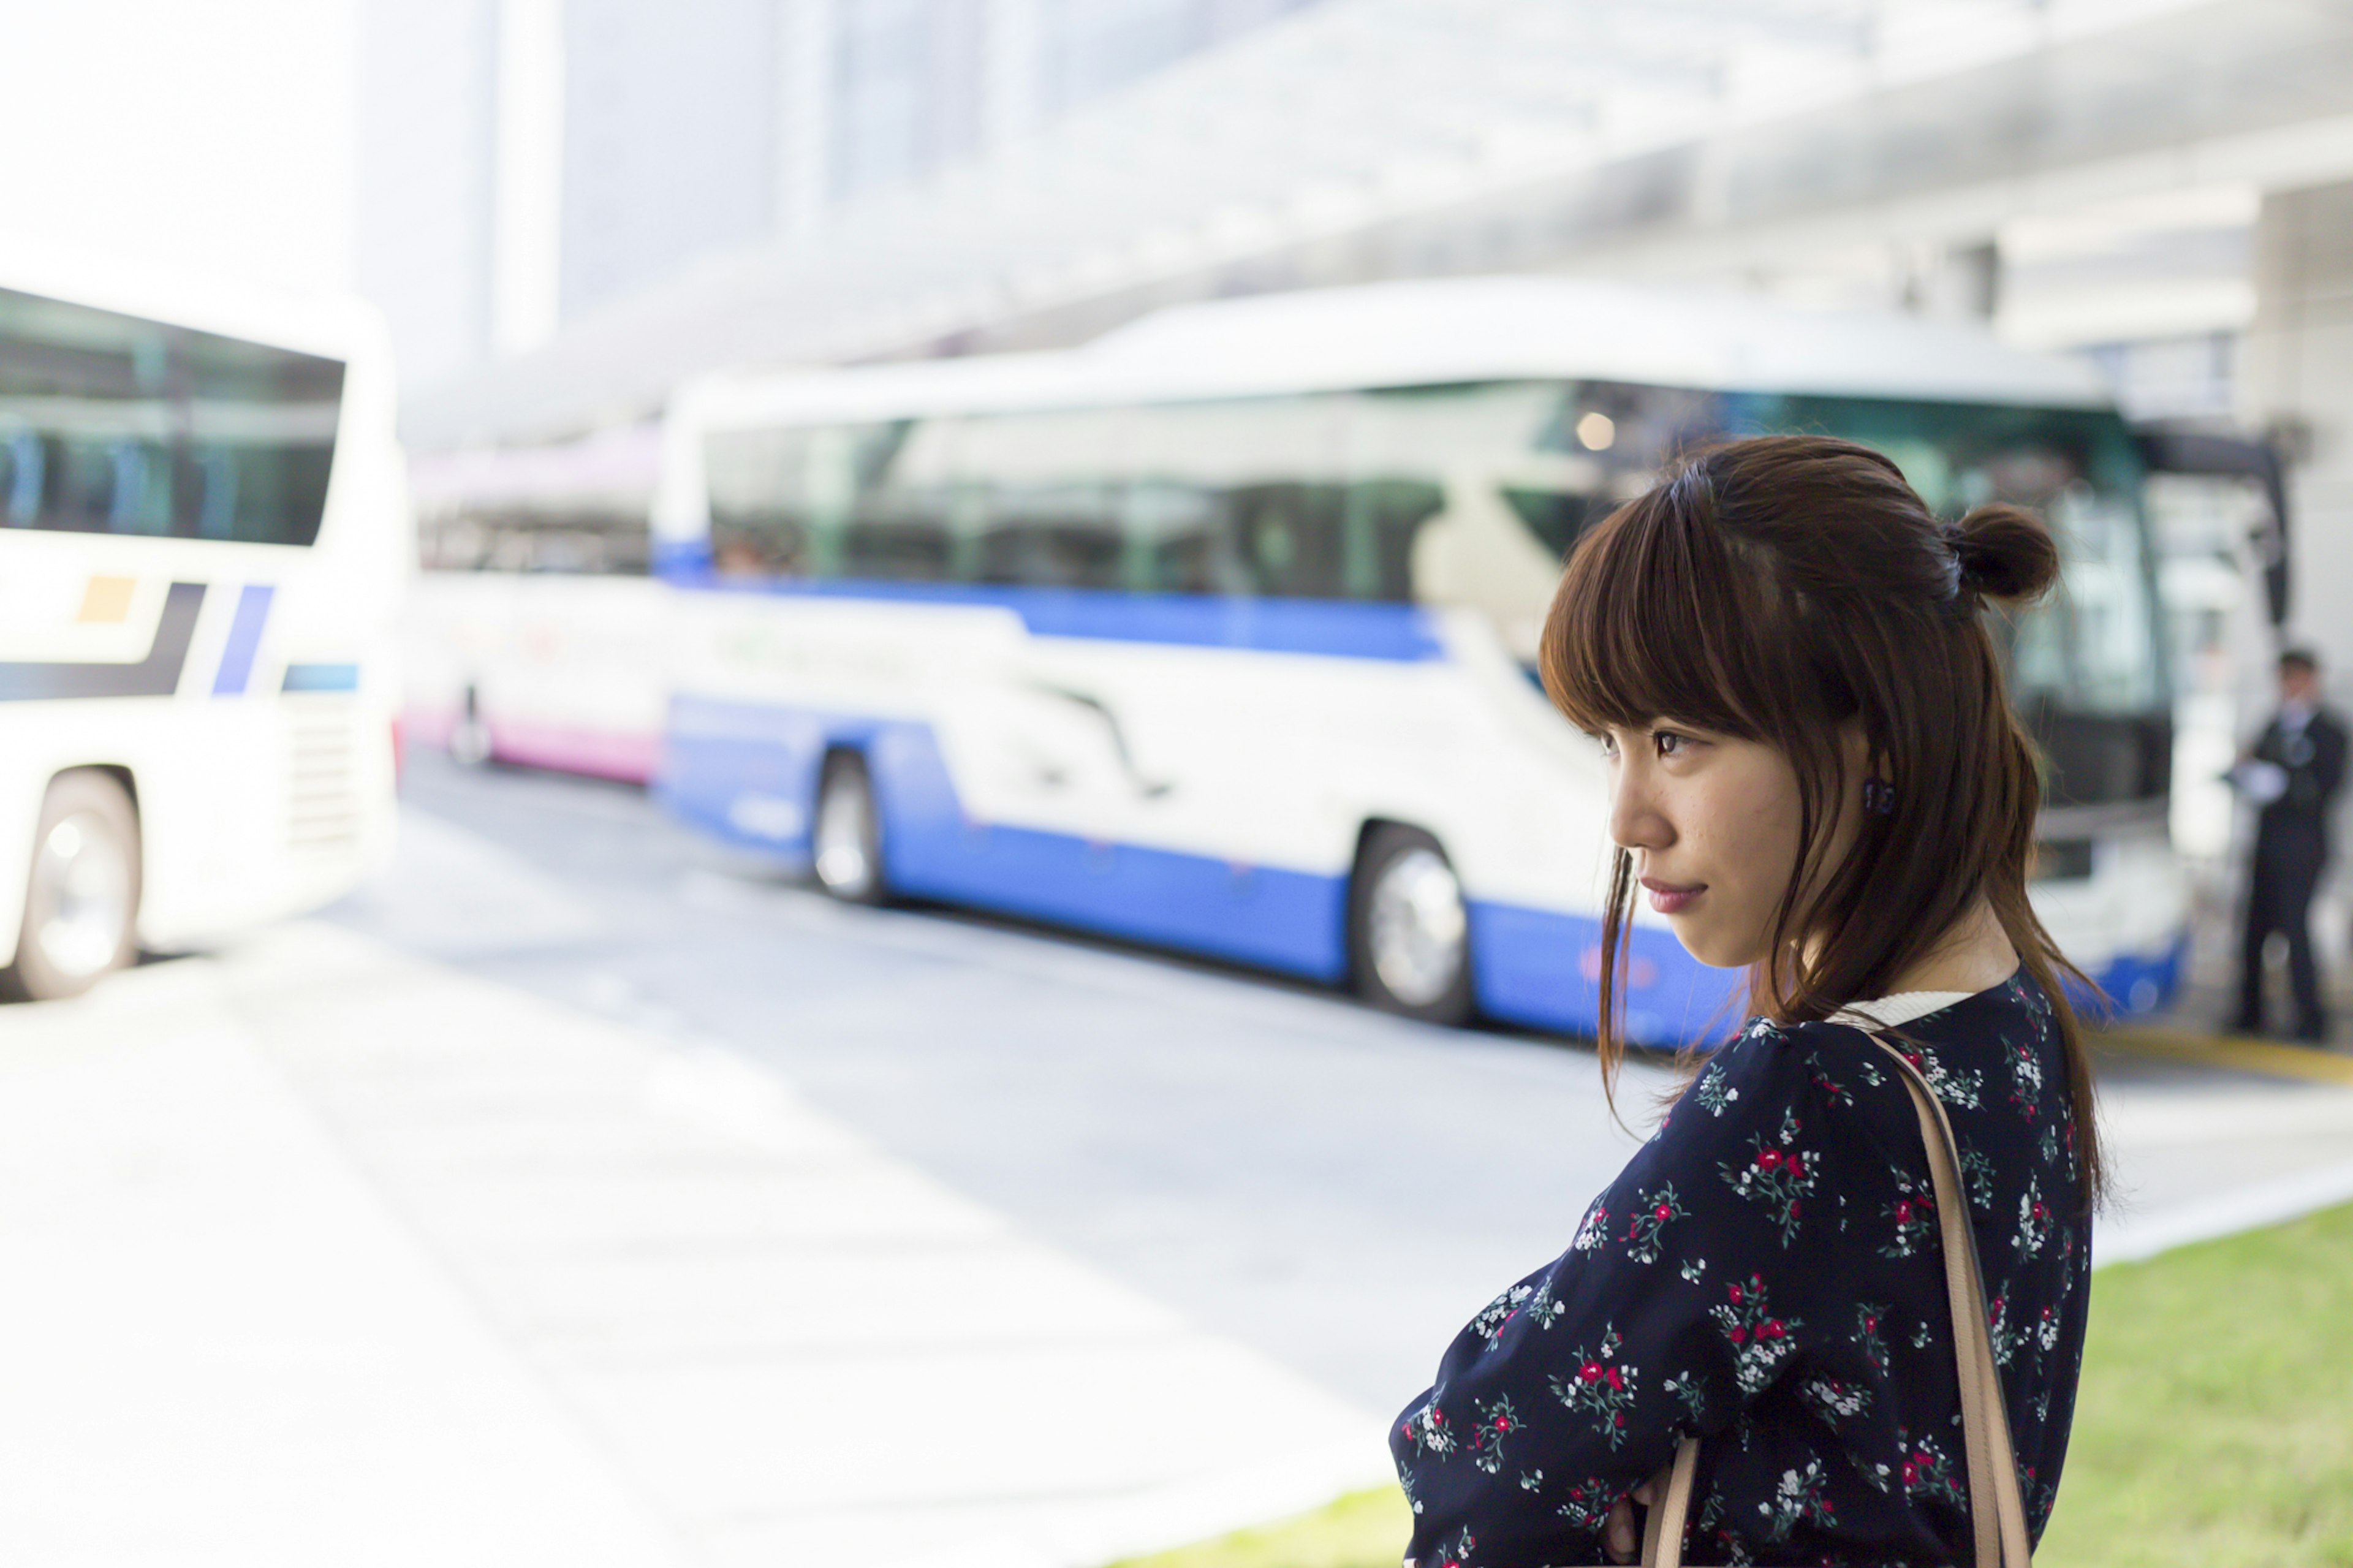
(2214, 1426)
(2213, 1429)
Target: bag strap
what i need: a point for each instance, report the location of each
(1997, 1511)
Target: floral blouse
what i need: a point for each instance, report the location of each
(1765, 1274)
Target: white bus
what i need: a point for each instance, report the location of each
(202, 546)
(1217, 633)
(536, 635)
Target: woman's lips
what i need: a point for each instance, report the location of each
(1671, 900)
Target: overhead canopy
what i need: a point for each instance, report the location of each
(1365, 139)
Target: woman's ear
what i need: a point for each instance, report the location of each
(1856, 760)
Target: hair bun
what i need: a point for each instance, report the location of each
(2005, 553)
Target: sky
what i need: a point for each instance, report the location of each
(210, 135)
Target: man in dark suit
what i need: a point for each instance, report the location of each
(2292, 773)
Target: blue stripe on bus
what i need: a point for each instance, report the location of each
(1340, 628)
(1540, 968)
(748, 774)
(322, 678)
(728, 768)
(2132, 984)
(243, 641)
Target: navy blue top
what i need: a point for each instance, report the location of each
(1765, 1274)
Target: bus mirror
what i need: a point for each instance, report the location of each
(2168, 449)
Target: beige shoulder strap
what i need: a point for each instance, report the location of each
(1996, 1512)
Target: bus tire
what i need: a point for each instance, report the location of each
(1410, 928)
(81, 891)
(846, 833)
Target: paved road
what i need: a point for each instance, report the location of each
(1333, 1187)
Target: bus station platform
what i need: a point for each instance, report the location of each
(324, 1254)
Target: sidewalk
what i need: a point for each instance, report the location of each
(335, 1255)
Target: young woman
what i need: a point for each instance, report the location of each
(1816, 776)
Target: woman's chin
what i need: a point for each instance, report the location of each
(1710, 947)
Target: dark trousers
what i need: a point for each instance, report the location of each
(2279, 898)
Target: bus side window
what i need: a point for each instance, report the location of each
(22, 471)
(148, 429)
(1380, 519)
(1052, 535)
(261, 425)
(1558, 518)
(760, 521)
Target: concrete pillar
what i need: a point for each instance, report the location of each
(2298, 378)
(527, 180)
(805, 39)
(1012, 98)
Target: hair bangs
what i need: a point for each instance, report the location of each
(1654, 619)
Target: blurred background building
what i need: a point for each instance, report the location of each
(567, 205)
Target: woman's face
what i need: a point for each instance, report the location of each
(1712, 823)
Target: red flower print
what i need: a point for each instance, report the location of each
(1770, 1329)
(1903, 1211)
(1600, 1393)
(1797, 1165)
(1737, 1335)
(1735, 1293)
(1768, 1159)
(1661, 1213)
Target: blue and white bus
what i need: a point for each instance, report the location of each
(1217, 633)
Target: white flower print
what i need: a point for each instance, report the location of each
(1833, 1400)
(1594, 1230)
(2034, 1220)
(1427, 1430)
(1496, 1313)
(2006, 1338)
(1798, 1497)
(1962, 1090)
(2025, 1079)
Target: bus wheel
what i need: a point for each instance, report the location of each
(1408, 931)
(846, 840)
(81, 895)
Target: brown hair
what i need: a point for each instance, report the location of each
(1773, 589)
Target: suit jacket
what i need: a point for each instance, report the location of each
(2315, 763)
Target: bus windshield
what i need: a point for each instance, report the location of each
(2095, 646)
(2086, 667)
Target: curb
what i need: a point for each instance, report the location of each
(2236, 1053)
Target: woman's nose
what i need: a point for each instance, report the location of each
(1636, 821)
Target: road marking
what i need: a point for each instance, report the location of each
(2234, 1052)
